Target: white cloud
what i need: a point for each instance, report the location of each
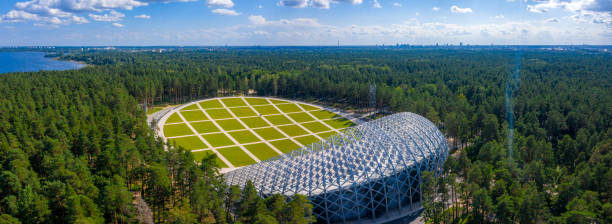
(112, 17)
(257, 20)
(435, 9)
(456, 9)
(293, 3)
(142, 16)
(499, 16)
(585, 11)
(376, 4)
(227, 12)
(552, 20)
(117, 25)
(324, 4)
(220, 3)
(397, 4)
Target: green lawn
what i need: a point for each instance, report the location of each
(269, 133)
(244, 137)
(191, 107)
(301, 117)
(266, 110)
(233, 102)
(230, 124)
(278, 101)
(288, 108)
(325, 135)
(218, 139)
(174, 118)
(262, 151)
(323, 114)
(306, 140)
(255, 122)
(257, 101)
(236, 156)
(219, 113)
(339, 123)
(243, 112)
(278, 119)
(315, 126)
(214, 103)
(204, 127)
(285, 145)
(190, 142)
(194, 115)
(308, 107)
(293, 130)
(199, 155)
(171, 130)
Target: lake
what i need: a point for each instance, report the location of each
(32, 62)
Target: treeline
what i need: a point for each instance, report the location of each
(75, 148)
(555, 168)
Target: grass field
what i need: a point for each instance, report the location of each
(172, 130)
(240, 124)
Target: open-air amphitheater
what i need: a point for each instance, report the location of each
(363, 173)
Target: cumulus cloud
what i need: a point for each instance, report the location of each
(227, 12)
(142, 16)
(397, 4)
(376, 4)
(220, 3)
(456, 9)
(320, 4)
(257, 20)
(61, 12)
(585, 11)
(499, 16)
(325, 4)
(435, 9)
(110, 17)
(293, 3)
(552, 20)
(117, 25)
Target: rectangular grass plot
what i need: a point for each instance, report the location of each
(301, 117)
(293, 130)
(278, 119)
(230, 124)
(269, 133)
(339, 123)
(308, 139)
(285, 145)
(194, 115)
(171, 130)
(288, 108)
(262, 151)
(218, 139)
(307, 107)
(219, 113)
(244, 137)
(257, 101)
(174, 118)
(208, 104)
(233, 102)
(255, 122)
(243, 112)
(204, 127)
(236, 156)
(190, 142)
(315, 126)
(191, 107)
(266, 110)
(323, 114)
(325, 135)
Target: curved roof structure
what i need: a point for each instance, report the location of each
(370, 171)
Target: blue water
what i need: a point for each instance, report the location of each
(32, 62)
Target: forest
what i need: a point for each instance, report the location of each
(530, 132)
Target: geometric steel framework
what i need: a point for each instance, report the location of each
(368, 174)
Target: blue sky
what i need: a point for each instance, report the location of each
(303, 22)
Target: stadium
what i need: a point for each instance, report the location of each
(370, 173)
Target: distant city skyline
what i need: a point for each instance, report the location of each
(304, 22)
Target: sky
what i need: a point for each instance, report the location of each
(303, 22)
